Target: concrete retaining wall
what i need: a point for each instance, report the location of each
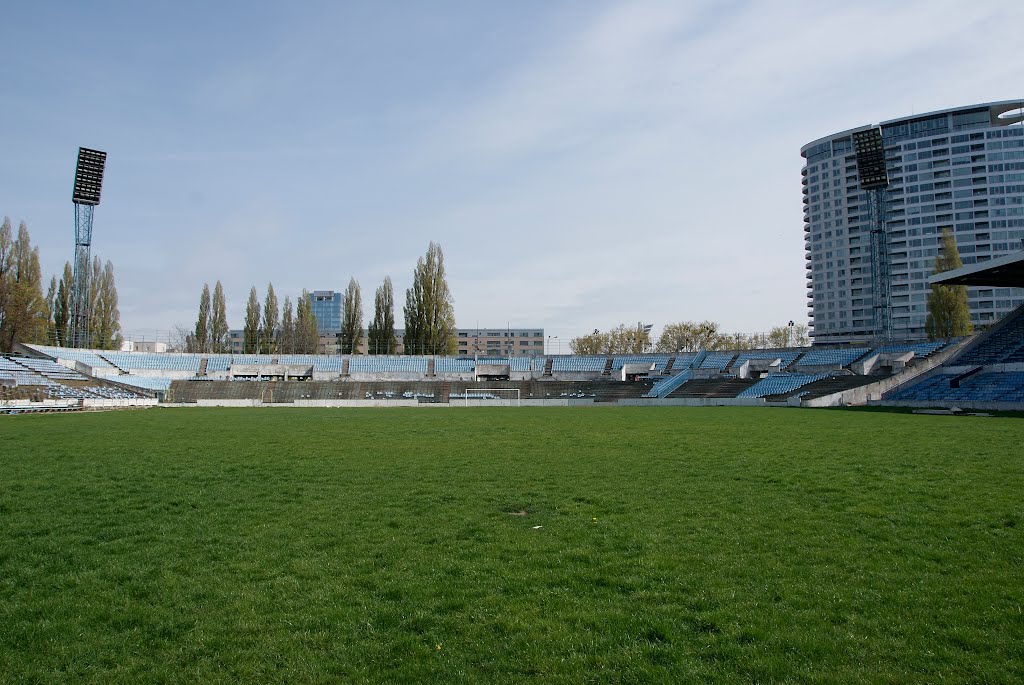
(101, 403)
(933, 404)
(693, 402)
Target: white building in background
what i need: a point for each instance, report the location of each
(960, 168)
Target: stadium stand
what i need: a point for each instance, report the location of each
(839, 357)
(717, 360)
(921, 349)
(1004, 346)
(303, 359)
(779, 384)
(658, 360)
(87, 357)
(381, 364)
(148, 361)
(218, 362)
(329, 364)
(786, 356)
(572, 363)
(45, 378)
(980, 387)
(145, 382)
(51, 369)
(454, 365)
(684, 360)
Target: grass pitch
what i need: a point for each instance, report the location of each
(511, 545)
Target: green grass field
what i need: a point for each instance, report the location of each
(510, 546)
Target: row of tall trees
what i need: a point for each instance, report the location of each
(429, 318)
(268, 331)
(29, 316)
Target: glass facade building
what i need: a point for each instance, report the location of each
(327, 307)
(960, 169)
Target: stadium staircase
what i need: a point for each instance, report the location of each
(547, 367)
(608, 367)
(202, 366)
(668, 366)
(430, 368)
(790, 366)
(665, 386)
(344, 367)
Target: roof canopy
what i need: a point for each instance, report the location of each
(1002, 272)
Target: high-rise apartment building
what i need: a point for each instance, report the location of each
(876, 201)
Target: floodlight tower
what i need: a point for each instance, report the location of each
(86, 195)
(870, 150)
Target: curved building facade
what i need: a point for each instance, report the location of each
(876, 201)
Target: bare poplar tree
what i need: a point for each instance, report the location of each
(381, 334)
(352, 318)
(270, 321)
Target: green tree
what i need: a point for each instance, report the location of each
(62, 307)
(286, 338)
(202, 334)
(218, 320)
(105, 316)
(251, 332)
(307, 336)
(949, 313)
(622, 339)
(429, 308)
(23, 315)
(270, 321)
(381, 336)
(691, 336)
(352, 318)
(592, 343)
(51, 306)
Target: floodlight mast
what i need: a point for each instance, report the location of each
(874, 179)
(86, 195)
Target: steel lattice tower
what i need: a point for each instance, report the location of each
(86, 195)
(874, 179)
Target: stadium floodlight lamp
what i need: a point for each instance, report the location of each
(870, 151)
(89, 176)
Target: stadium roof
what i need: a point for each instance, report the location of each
(1004, 272)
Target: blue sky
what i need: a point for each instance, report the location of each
(582, 164)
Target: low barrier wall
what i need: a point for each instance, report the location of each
(105, 403)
